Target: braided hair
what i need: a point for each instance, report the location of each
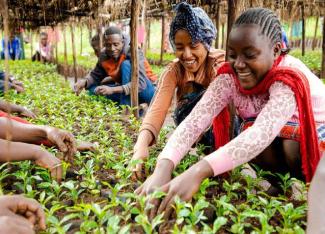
(267, 20)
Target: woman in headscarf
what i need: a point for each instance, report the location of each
(191, 35)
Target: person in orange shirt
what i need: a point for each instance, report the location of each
(112, 75)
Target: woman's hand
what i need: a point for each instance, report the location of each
(141, 153)
(46, 160)
(184, 186)
(27, 113)
(64, 140)
(19, 214)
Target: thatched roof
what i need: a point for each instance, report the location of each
(36, 13)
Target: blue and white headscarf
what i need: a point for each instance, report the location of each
(196, 22)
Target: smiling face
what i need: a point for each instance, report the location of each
(190, 56)
(113, 44)
(251, 54)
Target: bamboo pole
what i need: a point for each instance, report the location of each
(31, 44)
(134, 57)
(303, 29)
(162, 37)
(66, 69)
(73, 54)
(143, 22)
(232, 4)
(80, 39)
(315, 34)
(323, 48)
(217, 24)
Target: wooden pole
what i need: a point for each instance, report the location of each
(90, 29)
(65, 53)
(73, 54)
(162, 37)
(135, 11)
(143, 23)
(5, 18)
(31, 44)
(232, 4)
(149, 32)
(223, 35)
(303, 29)
(80, 39)
(56, 53)
(323, 49)
(315, 34)
(217, 24)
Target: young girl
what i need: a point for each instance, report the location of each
(191, 35)
(279, 93)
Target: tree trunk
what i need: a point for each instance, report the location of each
(217, 24)
(5, 18)
(162, 37)
(148, 38)
(315, 34)
(80, 39)
(73, 54)
(135, 11)
(31, 44)
(223, 36)
(143, 22)
(303, 44)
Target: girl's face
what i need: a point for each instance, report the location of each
(251, 54)
(190, 56)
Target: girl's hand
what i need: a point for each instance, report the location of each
(184, 186)
(64, 140)
(23, 211)
(46, 160)
(141, 153)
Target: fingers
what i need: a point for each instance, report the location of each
(56, 172)
(153, 210)
(167, 198)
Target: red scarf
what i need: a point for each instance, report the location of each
(297, 81)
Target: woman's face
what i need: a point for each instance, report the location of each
(251, 54)
(190, 56)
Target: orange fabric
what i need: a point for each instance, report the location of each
(112, 67)
(150, 75)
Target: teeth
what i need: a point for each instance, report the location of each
(189, 62)
(244, 74)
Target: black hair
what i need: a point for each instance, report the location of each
(267, 20)
(113, 30)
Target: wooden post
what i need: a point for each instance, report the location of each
(5, 18)
(223, 35)
(90, 30)
(73, 54)
(148, 38)
(217, 24)
(66, 69)
(323, 48)
(143, 23)
(134, 56)
(80, 39)
(315, 34)
(31, 44)
(303, 29)
(232, 5)
(162, 37)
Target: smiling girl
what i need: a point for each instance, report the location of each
(191, 35)
(281, 102)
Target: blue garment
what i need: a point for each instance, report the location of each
(285, 39)
(196, 22)
(14, 49)
(145, 95)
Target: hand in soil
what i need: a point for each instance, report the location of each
(86, 146)
(79, 86)
(27, 113)
(18, 88)
(46, 160)
(18, 214)
(64, 140)
(138, 172)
